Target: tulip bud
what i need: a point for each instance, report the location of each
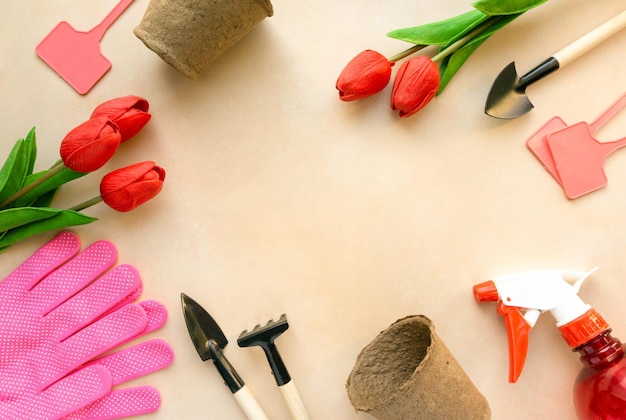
(366, 74)
(90, 145)
(130, 113)
(130, 187)
(416, 83)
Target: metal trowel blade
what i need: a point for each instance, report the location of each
(507, 98)
(202, 327)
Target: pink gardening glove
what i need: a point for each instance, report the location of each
(59, 311)
(127, 364)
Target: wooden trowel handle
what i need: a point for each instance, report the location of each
(591, 39)
(102, 27)
(293, 401)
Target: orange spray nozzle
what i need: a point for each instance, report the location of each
(486, 292)
(517, 328)
(523, 297)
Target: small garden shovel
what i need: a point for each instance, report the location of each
(507, 98)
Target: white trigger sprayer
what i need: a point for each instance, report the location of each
(522, 298)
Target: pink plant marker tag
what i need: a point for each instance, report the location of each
(538, 146)
(75, 55)
(579, 159)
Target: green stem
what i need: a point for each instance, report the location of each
(57, 163)
(465, 39)
(406, 53)
(86, 204)
(54, 169)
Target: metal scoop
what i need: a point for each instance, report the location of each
(76, 55)
(507, 98)
(537, 143)
(209, 341)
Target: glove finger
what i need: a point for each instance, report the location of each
(119, 404)
(77, 273)
(156, 313)
(136, 361)
(101, 297)
(93, 341)
(125, 365)
(65, 396)
(46, 259)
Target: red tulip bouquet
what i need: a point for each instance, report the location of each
(421, 78)
(26, 196)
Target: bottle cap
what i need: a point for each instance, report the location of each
(584, 328)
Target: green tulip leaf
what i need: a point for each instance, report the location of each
(58, 219)
(13, 171)
(50, 185)
(30, 151)
(495, 24)
(508, 7)
(44, 200)
(441, 32)
(452, 63)
(16, 217)
(18, 166)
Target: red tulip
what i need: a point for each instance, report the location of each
(130, 187)
(416, 83)
(366, 74)
(90, 145)
(130, 113)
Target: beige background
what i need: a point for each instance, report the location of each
(280, 198)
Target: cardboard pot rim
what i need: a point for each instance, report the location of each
(427, 333)
(267, 4)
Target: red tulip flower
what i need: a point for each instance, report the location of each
(416, 83)
(130, 113)
(366, 74)
(90, 145)
(84, 149)
(129, 187)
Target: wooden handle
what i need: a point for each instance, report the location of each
(591, 39)
(249, 405)
(294, 402)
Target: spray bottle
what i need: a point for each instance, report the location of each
(600, 388)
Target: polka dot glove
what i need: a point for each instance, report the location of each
(60, 311)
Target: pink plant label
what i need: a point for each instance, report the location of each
(572, 154)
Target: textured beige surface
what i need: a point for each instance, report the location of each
(279, 198)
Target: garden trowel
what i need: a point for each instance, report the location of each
(507, 98)
(209, 341)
